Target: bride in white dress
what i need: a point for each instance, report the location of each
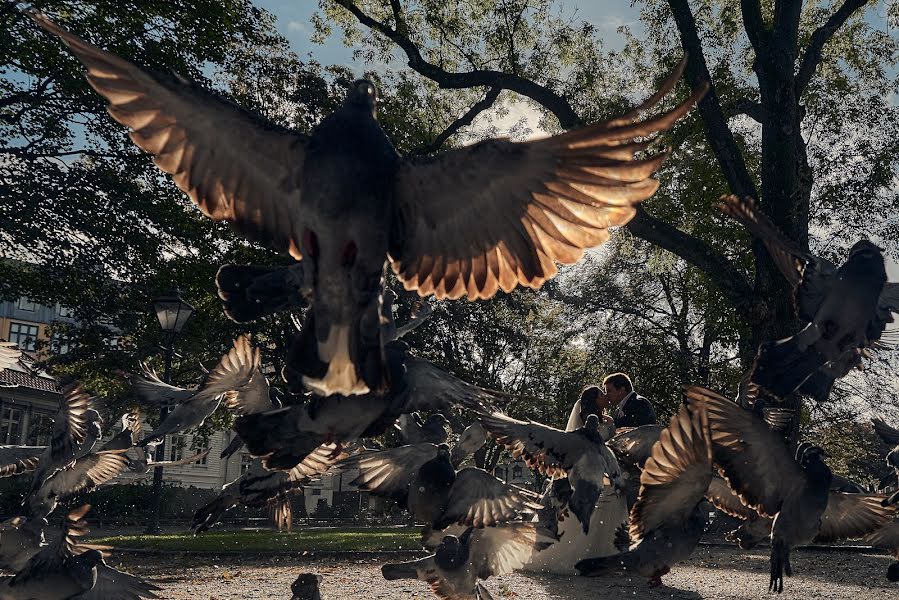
(574, 545)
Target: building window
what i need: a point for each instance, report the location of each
(177, 443)
(23, 335)
(10, 425)
(245, 461)
(26, 304)
(40, 429)
(316, 491)
(60, 344)
(63, 311)
(203, 461)
(516, 472)
(113, 343)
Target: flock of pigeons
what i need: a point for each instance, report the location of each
(468, 222)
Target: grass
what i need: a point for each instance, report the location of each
(301, 540)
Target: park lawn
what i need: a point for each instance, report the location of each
(301, 540)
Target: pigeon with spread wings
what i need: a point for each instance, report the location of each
(890, 436)
(580, 455)
(421, 477)
(461, 560)
(846, 309)
(468, 222)
(760, 469)
(284, 437)
(670, 513)
(233, 373)
(259, 487)
(887, 538)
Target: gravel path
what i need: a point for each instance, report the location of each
(711, 573)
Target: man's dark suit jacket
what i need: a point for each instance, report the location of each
(633, 411)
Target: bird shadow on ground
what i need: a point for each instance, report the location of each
(565, 587)
(836, 567)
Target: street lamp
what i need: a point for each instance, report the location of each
(173, 313)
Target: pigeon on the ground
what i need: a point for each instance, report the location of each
(422, 479)
(306, 587)
(284, 437)
(233, 373)
(846, 309)
(460, 561)
(468, 222)
(471, 440)
(887, 538)
(670, 513)
(758, 466)
(580, 455)
(890, 436)
(259, 487)
(415, 431)
(9, 355)
(70, 429)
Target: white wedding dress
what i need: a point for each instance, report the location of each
(573, 545)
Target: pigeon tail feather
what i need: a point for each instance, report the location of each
(607, 565)
(406, 570)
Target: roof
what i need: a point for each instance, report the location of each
(23, 374)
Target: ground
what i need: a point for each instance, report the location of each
(713, 572)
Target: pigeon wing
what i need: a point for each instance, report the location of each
(150, 390)
(233, 164)
(504, 548)
(497, 214)
(754, 460)
(852, 516)
(547, 449)
(726, 500)
(113, 584)
(389, 472)
(889, 435)
(70, 427)
(675, 477)
(232, 372)
(478, 499)
(635, 445)
(887, 537)
(91, 472)
(254, 398)
(52, 557)
(431, 388)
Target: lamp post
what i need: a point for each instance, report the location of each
(173, 313)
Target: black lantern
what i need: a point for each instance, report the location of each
(172, 312)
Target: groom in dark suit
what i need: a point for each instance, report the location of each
(629, 409)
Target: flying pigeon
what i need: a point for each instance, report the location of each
(846, 309)
(758, 466)
(15, 460)
(415, 431)
(70, 428)
(580, 455)
(632, 448)
(233, 373)
(259, 487)
(460, 561)
(21, 539)
(256, 397)
(467, 222)
(670, 513)
(422, 479)
(306, 587)
(472, 439)
(284, 437)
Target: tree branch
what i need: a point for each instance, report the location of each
(542, 95)
(754, 24)
(463, 121)
(813, 54)
(701, 255)
(744, 106)
(720, 137)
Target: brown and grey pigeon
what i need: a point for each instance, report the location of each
(467, 222)
(462, 558)
(580, 455)
(670, 514)
(846, 309)
(422, 479)
(795, 492)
